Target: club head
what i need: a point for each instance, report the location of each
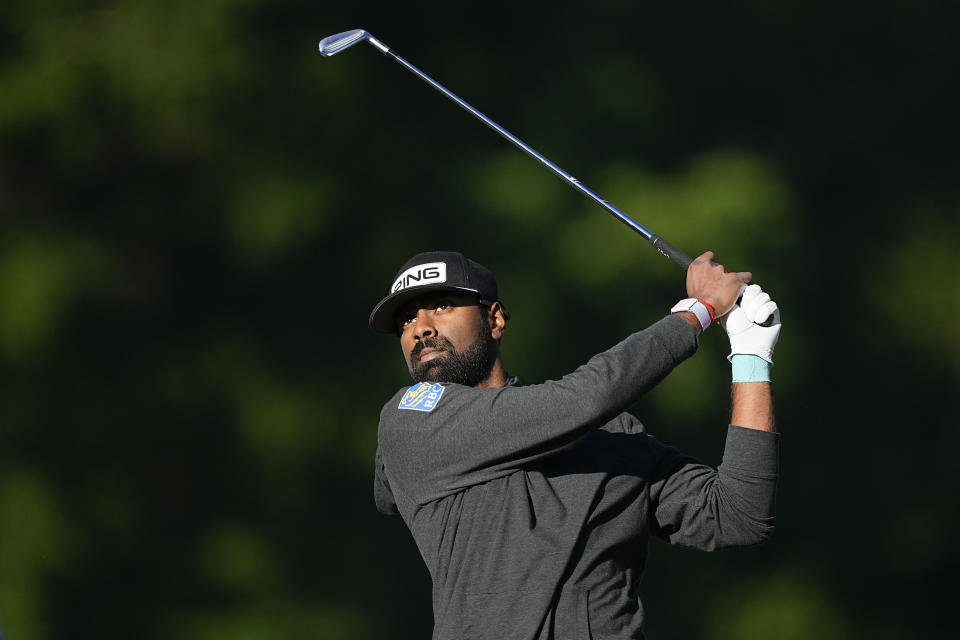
(332, 45)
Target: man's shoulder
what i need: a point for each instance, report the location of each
(421, 400)
(423, 397)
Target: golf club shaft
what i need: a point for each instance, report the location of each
(661, 245)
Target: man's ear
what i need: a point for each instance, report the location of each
(498, 320)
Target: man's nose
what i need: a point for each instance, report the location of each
(425, 327)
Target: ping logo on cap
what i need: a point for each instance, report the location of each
(422, 397)
(421, 274)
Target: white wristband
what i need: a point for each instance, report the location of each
(697, 308)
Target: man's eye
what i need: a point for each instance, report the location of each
(443, 305)
(406, 319)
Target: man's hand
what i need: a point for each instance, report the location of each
(709, 281)
(749, 342)
(744, 324)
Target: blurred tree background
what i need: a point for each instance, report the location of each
(198, 212)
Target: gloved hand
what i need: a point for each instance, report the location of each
(743, 324)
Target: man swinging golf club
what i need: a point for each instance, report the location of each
(532, 505)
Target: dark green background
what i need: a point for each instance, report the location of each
(198, 212)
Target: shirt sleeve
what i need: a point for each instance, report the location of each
(382, 493)
(695, 505)
(474, 435)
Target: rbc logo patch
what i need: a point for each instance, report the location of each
(422, 397)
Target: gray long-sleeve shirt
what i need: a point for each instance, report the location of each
(532, 505)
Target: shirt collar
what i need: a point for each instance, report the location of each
(512, 381)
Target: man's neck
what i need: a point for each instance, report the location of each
(497, 377)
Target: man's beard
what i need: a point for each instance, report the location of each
(469, 367)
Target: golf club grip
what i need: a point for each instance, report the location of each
(670, 251)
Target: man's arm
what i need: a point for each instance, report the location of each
(696, 506)
(753, 327)
(734, 505)
(475, 435)
(752, 406)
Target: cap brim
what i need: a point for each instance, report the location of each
(382, 316)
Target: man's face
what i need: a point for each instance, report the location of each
(446, 337)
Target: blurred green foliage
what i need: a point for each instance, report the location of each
(782, 606)
(198, 212)
(39, 279)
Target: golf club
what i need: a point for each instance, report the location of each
(334, 44)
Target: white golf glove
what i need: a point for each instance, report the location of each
(744, 324)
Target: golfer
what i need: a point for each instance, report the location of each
(532, 505)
